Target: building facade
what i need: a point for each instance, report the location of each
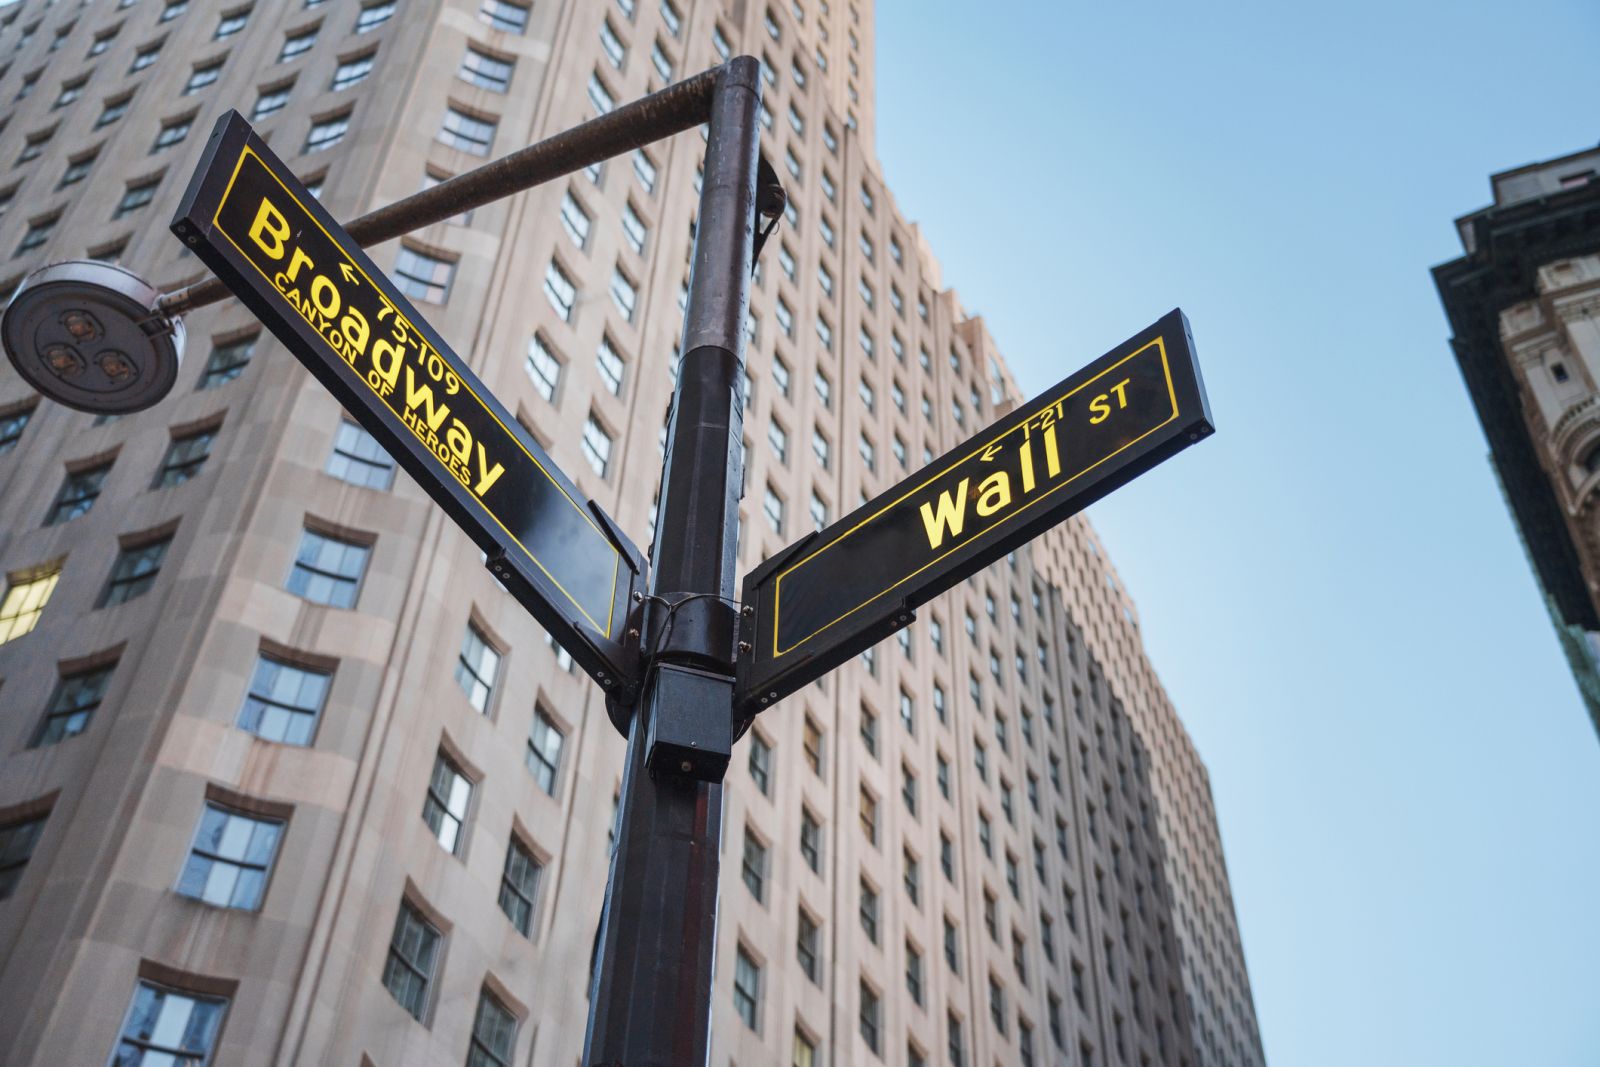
(285, 777)
(1524, 308)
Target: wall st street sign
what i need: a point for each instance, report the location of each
(249, 220)
(837, 592)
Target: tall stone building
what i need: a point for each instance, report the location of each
(285, 777)
(1524, 308)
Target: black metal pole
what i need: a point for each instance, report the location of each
(650, 1003)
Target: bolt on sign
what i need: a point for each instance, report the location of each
(837, 592)
(253, 223)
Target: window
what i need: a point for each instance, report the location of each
(953, 1032)
(413, 950)
(26, 596)
(38, 233)
(231, 23)
(997, 1005)
(599, 95)
(746, 987)
(819, 511)
(542, 366)
(185, 456)
(73, 703)
(79, 490)
(869, 730)
(271, 101)
(519, 886)
(374, 15)
(760, 763)
(544, 751)
(806, 947)
(467, 132)
(230, 859)
(17, 842)
(660, 60)
(445, 808)
(644, 169)
(422, 276)
(353, 71)
(811, 739)
(596, 445)
(173, 9)
(134, 571)
(753, 867)
(810, 840)
(912, 877)
(494, 1034)
(871, 1016)
(504, 15)
(328, 570)
(772, 509)
(135, 196)
(76, 170)
(12, 423)
(574, 219)
(624, 294)
(168, 1026)
(357, 458)
(670, 16)
(199, 79)
(943, 775)
(114, 110)
(173, 131)
(294, 45)
(476, 667)
(868, 911)
(559, 290)
(633, 228)
(102, 42)
(284, 701)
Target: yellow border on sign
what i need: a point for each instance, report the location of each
(777, 586)
(616, 565)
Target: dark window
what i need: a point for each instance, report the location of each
(413, 949)
(228, 360)
(494, 1029)
(805, 948)
(135, 571)
(871, 1016)
(17, 842)
(79, 491)
(746, 987)
(810, 840)
(869, 911)
(753, 867)
(519, 886)
(230, 859)
(11, 426)
(72, 704)
(760, 763)
(185, 456)
(544, 751)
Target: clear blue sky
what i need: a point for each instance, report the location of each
(1331, 588)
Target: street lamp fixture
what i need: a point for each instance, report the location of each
(92, 336)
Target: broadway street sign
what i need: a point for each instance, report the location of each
(249, 220)
(840, 591)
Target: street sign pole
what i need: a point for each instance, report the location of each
(650, 1003)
